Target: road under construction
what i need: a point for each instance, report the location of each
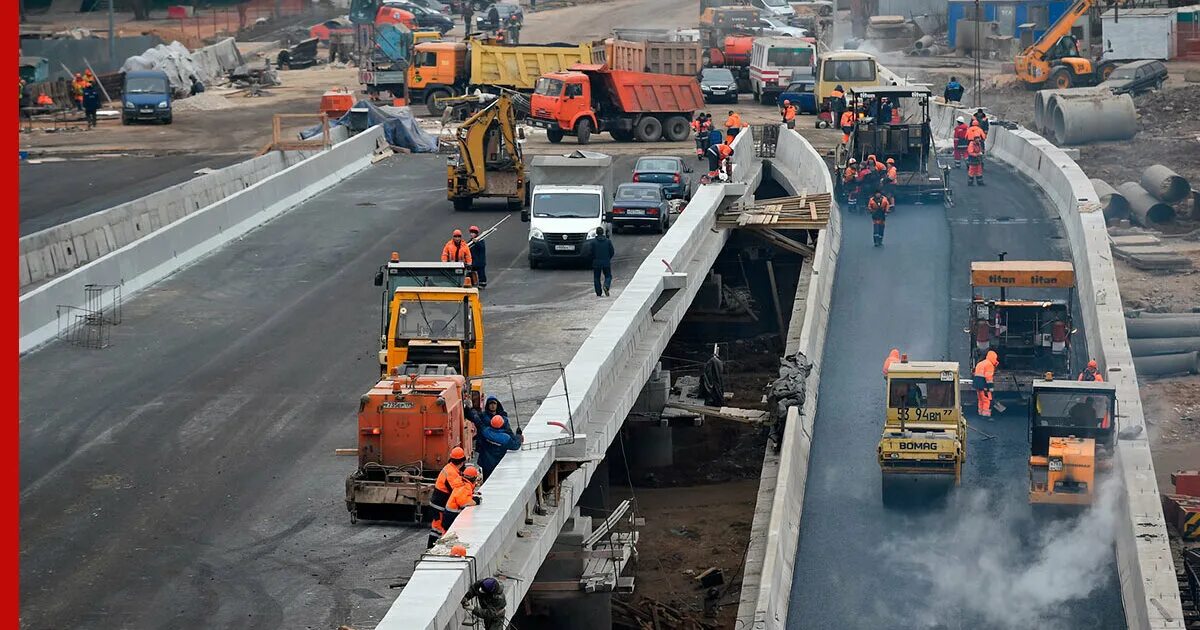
(185, 474)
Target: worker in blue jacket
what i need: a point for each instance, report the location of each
(478, 257)
(481, 417)
(496, 443)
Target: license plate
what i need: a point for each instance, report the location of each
(147, 111)
(564, 248)
(635, 213)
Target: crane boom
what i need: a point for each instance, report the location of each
(1055, 57)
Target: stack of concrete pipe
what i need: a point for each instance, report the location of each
(1045, 103)
(1114, 204)
(1164, 344)
(1080, 119)
(1150, 199)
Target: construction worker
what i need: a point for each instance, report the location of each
(885, 111)
(976, 132)
(603, 253)
(892, 357)
(879, 208)
(700, 127)
(889, 181)
(716, 155)
(514, 30)
(91, 103)
(468, 14)
(481, 418)
(456, 250)
(1091, 373)
(44, 100)
(77, 91)
(984, 382)
(984, 124)
(960, 141)
(490, 604)
(478, 257)
(459, 498)
(975, 162)
(789, 114)
(850, 181)
(733, 124)
(954, 91)
(448, 480)
(496, 442)
(847, 125)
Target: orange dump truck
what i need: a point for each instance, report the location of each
(407, 425)
(591, 98)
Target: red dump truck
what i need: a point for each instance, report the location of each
(629, 105)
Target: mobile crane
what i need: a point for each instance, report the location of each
(489, 161)
(1055, 61)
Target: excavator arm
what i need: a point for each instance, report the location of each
(486, 141)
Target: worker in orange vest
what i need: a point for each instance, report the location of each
(975, 163)
(460, 499)
(1091, 373)
(456, 250)
(879, 208)
(847, 125)
(449, 479)
(975, 132)
(718, 160)
(892, 357)
(733, 124)
(789, 114)
(889, 181)
(850, 181)
(984, 382)
(77, 91)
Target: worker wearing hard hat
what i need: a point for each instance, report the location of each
(879, 208)
(1091, 372)
(975, 162)
(478, 257)
(890, 176)
(448, 480)
(847, 125)
(788, 112)
(456, 250)
(892, 357)
(460, 499)
(984, 381)
(733, 124)
(960, 141)
(496, 443)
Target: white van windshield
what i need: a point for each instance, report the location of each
(566, 205)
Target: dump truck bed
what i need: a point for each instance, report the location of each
(518, 67)
(683, 59)
(650, 93)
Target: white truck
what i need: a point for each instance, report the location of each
(571, 196)
(775, 62)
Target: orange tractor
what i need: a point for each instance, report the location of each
(407, 425)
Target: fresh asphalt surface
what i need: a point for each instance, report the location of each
(55, 192)
(979, 559)
(185, 477)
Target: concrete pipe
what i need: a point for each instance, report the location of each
(924, 42)
(1165, 184)
(1149, 315)
(1045, 102)
(1162, 327)
(1168, 364)
(1093, 118)
(1144, 209)
(1114, 204)
(1166, 345)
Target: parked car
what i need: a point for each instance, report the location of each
(433, 5)
(425, 18)
(336, 26)
(667, 171)
(1137, 76)
(802, 94)
(640, 205)
(718, 85)
(781, 26)
(782, 8)
(484, 21)
(147, 97)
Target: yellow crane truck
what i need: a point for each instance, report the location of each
(924, 432)
(1072, 437)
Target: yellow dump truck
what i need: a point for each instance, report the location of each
(924, 432)
(442, 69)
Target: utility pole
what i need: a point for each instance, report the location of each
(112, 42)
(978, 45)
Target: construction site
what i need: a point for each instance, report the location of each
(628, 314)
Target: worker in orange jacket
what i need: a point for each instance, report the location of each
(850, 181)
(1091, 373)
(889, 181)
(975, 132)
(456, 250)
(847, 125)
(879, 208)
(788, 112)
(733, 124)
(77, 91)
(984, 382)
(975, 163)
(892, 357)
(460, 499)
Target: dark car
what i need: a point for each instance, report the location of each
(718, 85)
(425, 18)
(802, 94)
(433, 5)
(640, 205)
(485, 22)
(1137, 77)
(666, 171)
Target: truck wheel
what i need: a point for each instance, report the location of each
(1060, 78)
(676, 129)
(621, 135)
(462, 203)
(554, 135)
(583, 130)
(648, 129)
(431, 103)
(1106, 68)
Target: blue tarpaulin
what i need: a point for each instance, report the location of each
(399, 127)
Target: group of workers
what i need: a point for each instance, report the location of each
(86, 94)
(472, 253)
(456, 484)
(508, 30)
(715, 146)
(880, 178)
(970, 142)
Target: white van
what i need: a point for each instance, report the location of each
(563, 221)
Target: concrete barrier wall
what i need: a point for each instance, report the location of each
(1146, 570)
(603, 380)
(169, 248)
(766, 594)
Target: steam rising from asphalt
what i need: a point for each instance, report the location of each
(980, 572)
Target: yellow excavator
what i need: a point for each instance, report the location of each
(489, 162)
(1054, 61)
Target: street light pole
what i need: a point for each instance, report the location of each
(978, 44)
(112, 43)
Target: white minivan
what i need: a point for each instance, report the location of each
(563, 221)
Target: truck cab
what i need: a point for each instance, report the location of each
(562, 99)
(438, 70)
(1072, 437)
(924, 430)
(563, 222)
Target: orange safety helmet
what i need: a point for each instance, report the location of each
(395, 256)
(891, 160)
(470, 472)
(474, 229)
(457, 233)
(497, 421)
(786, 102)
(1092, 364)
(871, 157)
(458, 551)
(457, 453)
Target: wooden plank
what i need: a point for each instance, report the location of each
(812, 211)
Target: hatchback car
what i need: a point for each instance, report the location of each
(718, 85)
(640, 205)
(666, 171)
(1137, 77)
(802, 94)
(425, 18)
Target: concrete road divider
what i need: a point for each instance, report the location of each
(166, 250)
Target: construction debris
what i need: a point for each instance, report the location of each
(804, 212)
(651, 614)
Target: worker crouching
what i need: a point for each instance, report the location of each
(984, 382)
(460, 499)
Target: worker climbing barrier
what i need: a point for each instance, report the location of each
(605, 377)
(767, 585)
(1149, 593)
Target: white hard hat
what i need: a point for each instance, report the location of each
(959, 119)
(853, 161)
